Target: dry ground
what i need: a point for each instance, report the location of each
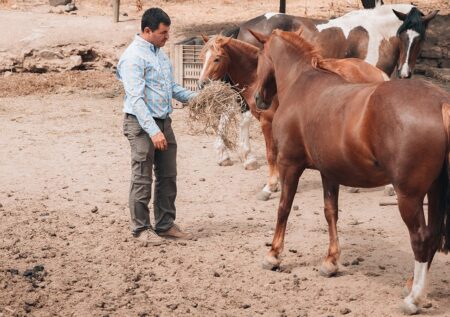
(64, 176)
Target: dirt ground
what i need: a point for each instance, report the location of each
(65, 245)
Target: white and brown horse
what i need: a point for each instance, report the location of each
(364, 135)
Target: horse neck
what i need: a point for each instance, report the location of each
(243, 63)
(290, 61)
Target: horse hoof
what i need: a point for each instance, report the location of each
(270, 263)
(352, 190)
(409, 308)
(389, 190)
(226, 162)
(328, 269)
(273, 188)
(262, 195)
(251, 165)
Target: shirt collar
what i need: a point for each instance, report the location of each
(143, 43)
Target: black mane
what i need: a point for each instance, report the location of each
(413, 21)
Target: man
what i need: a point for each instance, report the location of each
(146, 74)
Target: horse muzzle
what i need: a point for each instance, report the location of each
(404, 72)
(260, 104)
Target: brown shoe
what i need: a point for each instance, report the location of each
(176, 233)
(149, 237)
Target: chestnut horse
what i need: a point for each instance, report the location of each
(238, 60)
(363, 135)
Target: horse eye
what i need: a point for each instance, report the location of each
(216, 60)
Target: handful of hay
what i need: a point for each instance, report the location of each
(216, 110)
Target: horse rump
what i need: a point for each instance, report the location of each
(444, 246)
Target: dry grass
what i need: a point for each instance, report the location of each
(216, 110)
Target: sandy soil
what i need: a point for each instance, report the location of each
(65, 245)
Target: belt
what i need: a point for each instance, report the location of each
(129, 115)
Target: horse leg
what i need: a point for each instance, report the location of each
(289, 175)
(222, 151)
(411, 210)
(249, 159)
(329, 266)
(436, 208)
(272, 183)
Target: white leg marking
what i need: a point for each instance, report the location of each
(221, 149)
(404, 69)
(267, 189)
(244, 135)
(419, 284)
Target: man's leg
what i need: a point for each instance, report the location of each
(142, 154)
(165, 180)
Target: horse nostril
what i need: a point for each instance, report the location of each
(200, 84)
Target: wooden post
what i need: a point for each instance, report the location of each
(282, 6)
(116, 6)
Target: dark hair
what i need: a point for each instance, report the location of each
(413, 21)
(153, 17)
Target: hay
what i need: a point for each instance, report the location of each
(216, 110)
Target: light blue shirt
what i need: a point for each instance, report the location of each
(147, 77)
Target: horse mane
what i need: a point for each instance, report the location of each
(302, 45)
(413, 21)
(216, 41)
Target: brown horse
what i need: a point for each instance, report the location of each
(363, 135)
(237, 59)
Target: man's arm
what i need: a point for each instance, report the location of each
(180, 93)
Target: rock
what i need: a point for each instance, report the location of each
(94, 210)
(172, 306)
(427, 305)
(202, 179)
(55, 3)
(210, 215)
(216, 274)
(345, 311)
(355, 262)
(70, 7)
(245, 306)
(295, 207)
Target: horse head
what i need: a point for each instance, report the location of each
(411, 35)
(266, 86)
(215, 59)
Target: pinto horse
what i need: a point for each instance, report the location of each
(359, 135)
(238, 60)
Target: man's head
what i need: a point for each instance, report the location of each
(155, 26)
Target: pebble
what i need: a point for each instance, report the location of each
(94, 210)
(428, 305)
(172, 306)
(245, 306)
(345, 311)
(216, 274)
(355, 262)
(202, 179)
(210, 215)
(295, 207)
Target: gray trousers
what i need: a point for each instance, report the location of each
(144, 158)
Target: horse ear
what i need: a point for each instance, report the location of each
(205, 38)
(261, 38)
(400, 15)
(430, 16)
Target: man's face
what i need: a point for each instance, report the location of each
(158, 37)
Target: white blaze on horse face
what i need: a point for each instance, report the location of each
(419, 284)
(269, 15)
(207, 58)
(380, 24)
(405, 69)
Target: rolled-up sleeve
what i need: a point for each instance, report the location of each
(131, 73)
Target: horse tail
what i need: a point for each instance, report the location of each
(445, 239)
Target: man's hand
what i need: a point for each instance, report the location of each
(159, 141)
